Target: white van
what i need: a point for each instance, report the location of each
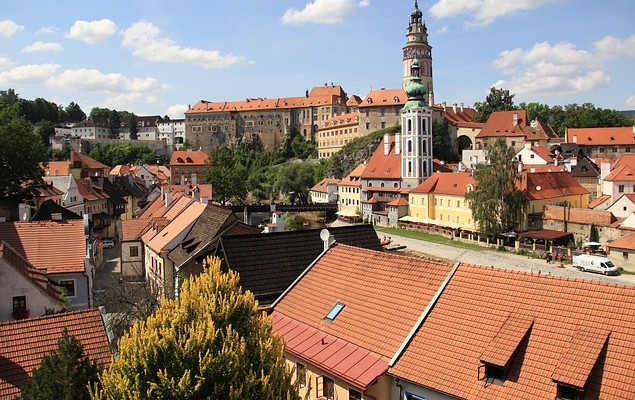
(592, 263)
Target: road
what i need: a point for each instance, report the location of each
(107, 275)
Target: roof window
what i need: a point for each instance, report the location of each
(334, 312)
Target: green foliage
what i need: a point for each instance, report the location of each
(114, 124)
(594, 235)
(45, 130)
(64, 374)
(40, 109)
(187, 145)
(58, 154)
(497, 204)
(134, 130)
(294, 180)
(584, 116)
(228, 177)
(211, 343)
(536, 110)
(441, 142)
(125, 153)
(496, 100)
(73, 113)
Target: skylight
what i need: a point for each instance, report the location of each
(334, 312)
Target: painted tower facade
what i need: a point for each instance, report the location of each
(415, 143)
(417, 47)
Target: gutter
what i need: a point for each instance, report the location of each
(424, 314)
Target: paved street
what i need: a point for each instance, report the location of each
(108, 274)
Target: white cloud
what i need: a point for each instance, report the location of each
(34, 73)
(145, 41)
(95, 80)
(443, 30)
(46, 30)
(42, 46)
(9, 28)
(560, 69)
(483, 11)
(130, 100)
(5, 62)
(92, 32)
(630, 102)
(322, 12)
(176, 111)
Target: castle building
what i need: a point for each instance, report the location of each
(417, 47)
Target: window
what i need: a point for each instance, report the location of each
(410, 396)
(568, 393)
(300, 374)
(354, 394)
(493, 373)
(69, 286)
(327, 388)
(334, 312)
(19, 303)
(620, 188)
(134, 251)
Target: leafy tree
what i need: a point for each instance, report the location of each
(74, 113)
(58, 154)
(134, 130)
(536, 110)
(211, 343)
(585, 116)
(21, 152)
(114, 124)
(187, 144)
(45, 130)
(64, 374)
(227, 177)
(124, 153)
(295, 180)
(497, 204)
(441, 142)
(594, 235)
(496, 100)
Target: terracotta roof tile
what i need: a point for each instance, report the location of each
(549, 185)
(452, 183)
(501, 124)
(382, 166)
(57, 247)
(578, 360)
(87, 162)
(323, 185)
(602, 136)
(621, 172)
(579, 215)
(164, 241)
(343, 120)
(398, 202)
(353, 178)
(203, 189)
(384, 97)
(57, 168)
(188, 157)
(445, 353)
(625, 242)
(39, 336)
(600, 200)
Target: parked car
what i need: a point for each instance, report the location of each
(108, 243)
(594, 263)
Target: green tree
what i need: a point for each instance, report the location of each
(227, 177)
(497, 203)
(496, 100)
(536, 110)
(134, 130)
(64, 374)
(441, 142)
(21, 153)
(45, 130)
(114, 124)
(295, 180)
(211, 343)
(74, 113)
(594, 235)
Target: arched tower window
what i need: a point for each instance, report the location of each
(409, 167)
(409, 126)
(409, 146)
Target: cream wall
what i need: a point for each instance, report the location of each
(331, 140)
(132, 267)
(349, 198)
(449, 210)
(576, 201)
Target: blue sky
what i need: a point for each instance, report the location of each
(158, 56)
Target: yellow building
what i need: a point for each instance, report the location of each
(336, 132)
(440, 202)
(349, 193)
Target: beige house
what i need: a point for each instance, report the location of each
(381, 109)
(513, 127)
(349, 193)
(336, 132)
(325, 191)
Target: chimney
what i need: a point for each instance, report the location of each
(386, 144)
(454, 107)
(444, 106)
(430, 99)
(461, 107)
(168, 198)
(397, 143)
(532, 170)
(515, 119)
(520, 167)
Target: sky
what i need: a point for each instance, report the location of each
(156, 57)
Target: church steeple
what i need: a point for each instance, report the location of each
(417, 47)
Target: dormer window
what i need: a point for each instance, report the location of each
(569, 393)
(189, 160)
(369, 100)
(180, 160)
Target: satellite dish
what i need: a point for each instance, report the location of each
(538, 188)
(324, 234)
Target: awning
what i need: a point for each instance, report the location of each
(547, 234)
(347, 213)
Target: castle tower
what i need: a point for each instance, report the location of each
(416, 133)
(417, 47)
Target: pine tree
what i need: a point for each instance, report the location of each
(64, 374)
(211, 343)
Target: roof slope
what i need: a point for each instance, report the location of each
(57, 247)
(269, 263)
(384, 97)
(39, 336)
(49, 207)
(188, 157)
(579, 215)
(625, 242)
(452, 183)
(445, 353)
(164, 241)
(602, 136)
(549, 185)
(383, 296)
(382, 166)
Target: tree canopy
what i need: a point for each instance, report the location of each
(125, 153)
(228, 177)
(64, 374)
(496, 100)
(497, 203)
(211, 343)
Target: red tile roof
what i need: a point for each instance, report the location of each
(382, 166)
(57, 247)
(352, 363)
(452, 183)
(579, 215)
(445, 353)
(501, 124)
(24, 343)
(598, 201)
(323, 185)
(602, 136)
(89, 190)
(57, 168)
(621, 173)
(188, 157)
(87, 162)
(543, 152)
(163, 242)
(625, 242)
(353, 101)
(549, 185)
(343, 120)
(462, 117)
(384, 294)
(384, 97)
(543, 168)
(398, 202)
(353, 179)
(203, 189)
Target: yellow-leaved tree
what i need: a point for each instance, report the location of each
(211, 343)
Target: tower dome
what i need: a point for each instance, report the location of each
(415, 90)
